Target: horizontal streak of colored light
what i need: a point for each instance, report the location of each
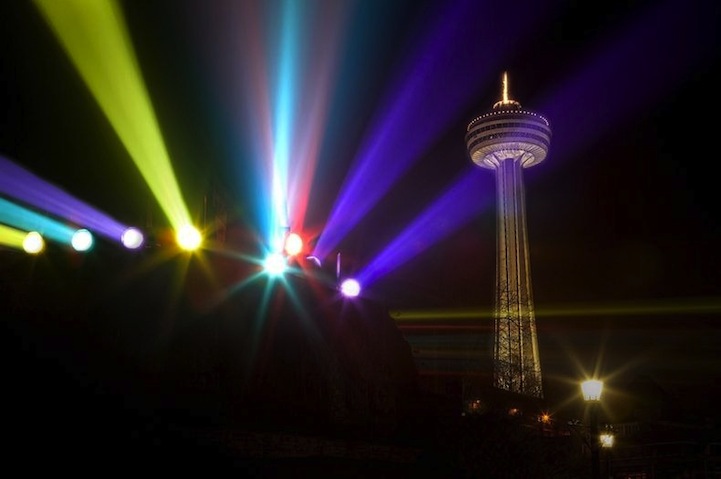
(432, 88)
(462, 354)
(457, 206)
(463, 373)
(441, 327)
(12, 237)
(640, 308)
(96, 40)
(641, 66)
(22, 218)
(24, 186)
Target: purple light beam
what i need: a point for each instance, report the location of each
(25, 186)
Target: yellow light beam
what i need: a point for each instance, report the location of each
(12, 237)
(635, 308)
(94, 35)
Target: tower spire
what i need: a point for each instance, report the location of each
(506, 101)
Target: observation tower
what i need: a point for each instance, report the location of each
(508, 139)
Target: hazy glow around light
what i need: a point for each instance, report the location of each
(132, 238)
(33, 243)
(82, 240)
(350, 288)
(189, 238)
(94, 35)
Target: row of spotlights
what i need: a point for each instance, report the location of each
(188, 238)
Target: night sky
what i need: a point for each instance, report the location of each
(623, 217)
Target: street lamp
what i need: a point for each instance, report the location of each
(592, 394)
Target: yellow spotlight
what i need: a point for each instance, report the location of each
(33, 243)
(189, 238)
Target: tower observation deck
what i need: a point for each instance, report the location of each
(508, 139)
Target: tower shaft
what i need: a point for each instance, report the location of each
(516, 359)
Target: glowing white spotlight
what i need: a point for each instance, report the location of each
(188, 238)
(33, 243)
(293, 244)
(275, 264)
(132, 238)
(82, 240)
(350, 288)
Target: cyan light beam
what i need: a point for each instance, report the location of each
(25, 219)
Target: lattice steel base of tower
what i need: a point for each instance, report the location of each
(516, 360)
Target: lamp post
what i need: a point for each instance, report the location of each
(592, 394)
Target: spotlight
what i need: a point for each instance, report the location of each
(188, 238)
(275, 264)
(33, 243)
(293, 244)
(350, 288)
(82, 240)
(132, 238)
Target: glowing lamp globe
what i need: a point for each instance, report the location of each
(132, 238)
(275, 264)
(82, 240)
(293, 244)
(592, 389)
(350, 288)
(188, 238)
(33, 243)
